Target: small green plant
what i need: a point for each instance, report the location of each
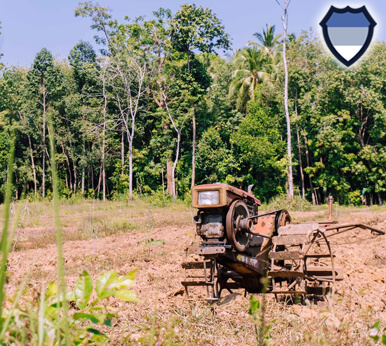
(257, 312)
(374, 333)
(89, 322)
(152, 241)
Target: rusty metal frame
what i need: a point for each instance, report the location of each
(345, 227)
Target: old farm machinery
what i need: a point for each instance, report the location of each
(238, 247)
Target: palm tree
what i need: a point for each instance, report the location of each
(268, 41)
(252, 68)
(256, 64)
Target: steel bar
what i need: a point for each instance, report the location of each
(351, 226)
(269, 213)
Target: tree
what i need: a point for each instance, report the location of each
(177, 126)
(127, 67)
(13, 115)
(259, 148)
(192, 28)
(128, 88)
(82, 57)
(1, 65)
(42, 66)
(268, 41)
(102, 22)
(215, 161)
(83, 60)
(284, 20)
(251, 69)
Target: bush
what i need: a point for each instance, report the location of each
(160, 199)
(295, 203)
(354, 198)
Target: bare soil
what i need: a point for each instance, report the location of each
(163, 312)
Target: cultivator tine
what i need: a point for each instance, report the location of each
(205, 279)
(302, 262)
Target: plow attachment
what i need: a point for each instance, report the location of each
(239, 247)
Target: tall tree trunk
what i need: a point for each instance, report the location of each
(194, 151)
(163, 184)
(169, 176)
(103, 161)
(68, 167)
(287, 116)
(175, 165)
(131, 168)
(75, 177)
(83, 167)
(33, 165)
(130, 139)
(300, 162)
(313, 194)
(122, 152)
(98, 188)
(299, 150)
(104, 141)
(44, 142)
(92, 179)
(83, 159)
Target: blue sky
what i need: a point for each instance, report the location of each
(30, 25)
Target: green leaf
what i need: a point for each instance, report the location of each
(103, 281)
(83, 316)
(268, 329)
(131, 274)
(254, 305)
(376, 325)
(123, 281)
(69, 296)
(52, 312)
(95, 331)
(83, 289)
(52, 290)
(384, 339)
(126, 295)
(374, 331)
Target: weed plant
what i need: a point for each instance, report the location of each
(25, 319)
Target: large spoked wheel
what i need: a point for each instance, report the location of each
(236, 237)
(283, 218)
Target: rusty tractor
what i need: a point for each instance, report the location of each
(238, 247)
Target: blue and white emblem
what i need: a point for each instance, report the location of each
(348, 32)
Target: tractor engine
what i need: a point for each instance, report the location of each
(225, 214)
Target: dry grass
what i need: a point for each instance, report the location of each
(139, 235)
(90, 219)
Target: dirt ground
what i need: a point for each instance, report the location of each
(156, 250)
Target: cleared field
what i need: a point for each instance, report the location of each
(100, 236)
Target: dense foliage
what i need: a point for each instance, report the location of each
(158, 104)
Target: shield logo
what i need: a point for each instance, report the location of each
(348, 32)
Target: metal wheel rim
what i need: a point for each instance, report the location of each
(240, 240)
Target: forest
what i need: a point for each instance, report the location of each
(166, 102)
